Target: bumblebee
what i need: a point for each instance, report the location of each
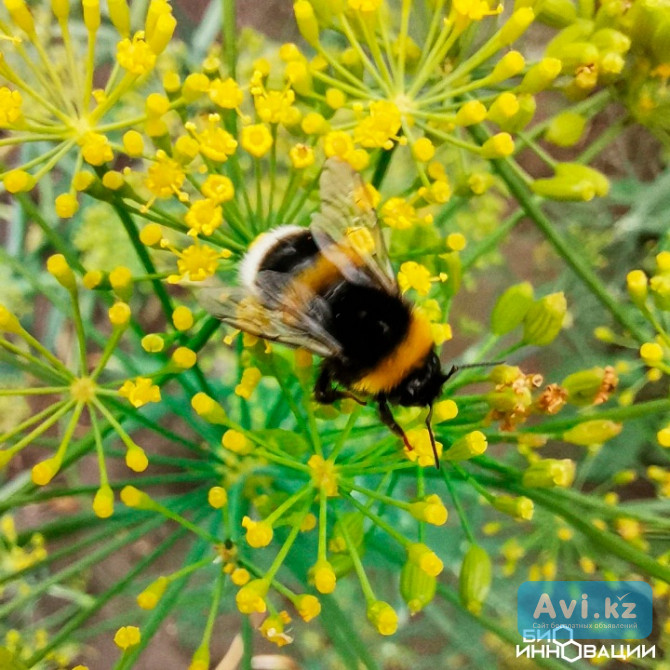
(330, 288)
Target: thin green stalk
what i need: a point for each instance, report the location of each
(569, 252)
(143, 255)
(458, 507)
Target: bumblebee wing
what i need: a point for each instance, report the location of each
(286, 323)
(347, 229)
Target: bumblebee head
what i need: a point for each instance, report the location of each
(422, 386)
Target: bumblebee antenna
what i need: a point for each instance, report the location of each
(432, 436)
(455, 368)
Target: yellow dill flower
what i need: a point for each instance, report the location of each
(218, 188)
(259, 533)
(140, 391)
(135, 55)
(204, 217)
(415, 276)
(422, 450)
(272, 629)
(383, 617)
(380, 128)
(127, 636)
(308, 606)
(215, 143)
(226, 94)
(11, 104)
(197, 262)
(256, 139)
(302, 156)
(251, 597)
(165, 176)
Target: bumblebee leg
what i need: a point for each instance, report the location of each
(325, 391)
(387, 419)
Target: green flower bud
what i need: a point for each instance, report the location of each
(557, 13)
(544, 319)
(566, 129)
(584, 172)
(511, 308)
(429, 510)
(556, 188)
(541, 75)
(425, 558)
(475, 579)
(549, 472)
(596, 431)
(660, 291)
(210, 410)
(307, 23)
(579, 32)
(509, 400)
(416, 587)
(590, 387)
(454, 271)
(468, 446)
(515, 26)
(352, 522)
(608, 39)
(524, 116)
(505, 374)
(342, 564)
(510, 65)
(383, 617)
(8, 322)
(519, 507)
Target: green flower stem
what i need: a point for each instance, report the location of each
(144, 420)
(116, 485)
(604, 539)
(189, 569)
(377, 496)
(358, 566)
(54, 238)
(492, 241)
(43, 390)
(286, 547)
(378, 521)
(323, 525)
(185, 523)
(79, 566)
(75, 623)
(213, 610)
(42, 428)
(569, 252)
(167, 602)
(107, 352)
(569, 497)
(32, 420)
(229, 31)
(49, 372)
(143, 255)
(636, 411)
(343, 436)
(492, 625)
(466, 476)
(458, 507)
(287, 504)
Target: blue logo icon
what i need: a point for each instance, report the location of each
(588, 610)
